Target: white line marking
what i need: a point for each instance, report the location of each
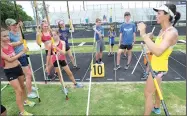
(77, 79)
(109, 79)
(121, 79)
(177, 73)
(177, 61)
(87, 79)
(177, 78)
(81, 44)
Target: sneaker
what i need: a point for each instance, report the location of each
(79, 85)
(117, 67)
(32, 95)
(25, 113)
(156, 110)
(112, 53)
(76, 67)
(127, 67)
(145, 75)
(34, 88)
(101, 62)
(109, 53)
(29, 103)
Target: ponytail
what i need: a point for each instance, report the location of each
(177, 17)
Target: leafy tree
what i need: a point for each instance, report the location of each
(8, 11)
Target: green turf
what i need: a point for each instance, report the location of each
(89, 49)
(106, 99)
(79, 40)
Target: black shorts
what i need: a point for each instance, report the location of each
(13, 73)
(61, 62)
(159, 72)
(67, 47)
(3, 109)
(24, 61)
(46, 51)
(128, 47)
(112, 45)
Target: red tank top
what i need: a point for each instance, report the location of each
(10, 52)
(61, 56)
(45, 38)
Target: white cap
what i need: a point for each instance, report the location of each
(164, 8)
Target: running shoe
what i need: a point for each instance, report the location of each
(117, 67)
(29, 103)
(79, 85)
(127, 67)
(109, 53)
(25, 113)
(76, 67)
(156, 110)
(101, 62)
(32, 95)
(34, 88)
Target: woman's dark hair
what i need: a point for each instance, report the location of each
(172, 7)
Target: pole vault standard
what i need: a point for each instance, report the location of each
(71, 30)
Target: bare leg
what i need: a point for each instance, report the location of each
(71, 57)
(19, 93)
(118, 56)
(129, 56)
(28, 76)
(69, 73)
(149, 90)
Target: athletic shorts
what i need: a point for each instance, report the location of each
(128, 47)
(160, 72)
(61, 62)
(111, 41)
(46, 51)
(13, 73)
(100, 45)
(3, 109)
(67, 47)
(24, 61)
(149, 56)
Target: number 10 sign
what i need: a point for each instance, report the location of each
(98, 70)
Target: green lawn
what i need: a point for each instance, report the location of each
(106, 99)
(89, 49)
(79, 40)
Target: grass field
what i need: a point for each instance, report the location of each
(89, 49)
(79, 40)
(106, 99)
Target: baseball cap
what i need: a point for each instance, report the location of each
(164, 8)
(10, 22)
(127, 14)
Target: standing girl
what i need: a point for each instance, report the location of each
(60, 47)
(111, 35)
(13, 71)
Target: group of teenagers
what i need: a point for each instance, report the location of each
(17, 69)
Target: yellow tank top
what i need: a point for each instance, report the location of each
(161, 63)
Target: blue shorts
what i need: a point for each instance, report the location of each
(111, 41)
(24, 61)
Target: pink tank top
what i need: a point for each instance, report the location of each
(10, 52)
(45, 38)
(61, 56)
